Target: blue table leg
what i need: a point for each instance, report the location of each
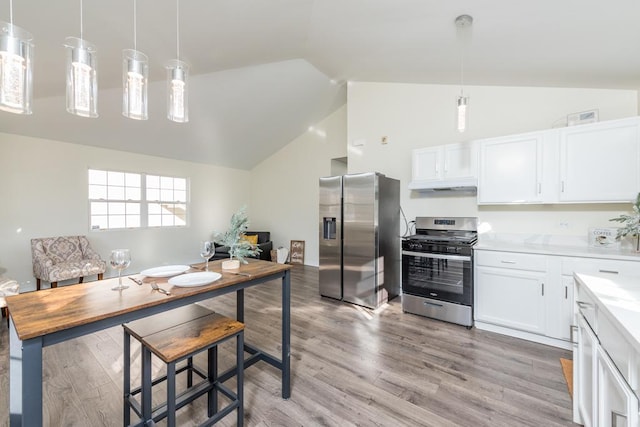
(25, 380)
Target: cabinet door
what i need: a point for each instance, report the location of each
(566, 317)
(617, 405)
(600, 162)
(460, 160)
(587, 363)
(426, 164)
(511, 169)
(510, 298)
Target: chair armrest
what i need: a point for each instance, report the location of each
(9, 287)
(265, 250)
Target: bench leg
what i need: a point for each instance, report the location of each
(81, 279)
(5, 313)
(146, 383)
(54, 285)
(171, 394)
(37, 284)
(100, 276)
(212, 373)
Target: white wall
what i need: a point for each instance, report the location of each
(414, 116)
(44, 193)
(284, 187)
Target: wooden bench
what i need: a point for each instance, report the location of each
(176, 336)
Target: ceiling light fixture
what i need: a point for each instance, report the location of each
(463, 25)
(82, 78)
(135, 78)
(177, 75)
(16, 62)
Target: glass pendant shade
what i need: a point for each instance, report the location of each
(135, 78)
(462, 113)
(82, 78)
(177, 91)
(16, 69)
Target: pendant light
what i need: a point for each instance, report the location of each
(135, 79)
(16, 67)
(463, 25)
(82, 76)
(177, 76)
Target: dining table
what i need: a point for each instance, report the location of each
(47, 317)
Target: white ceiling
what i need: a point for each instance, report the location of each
(261, 70)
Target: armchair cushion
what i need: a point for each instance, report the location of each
(8, 287)
(61, 258)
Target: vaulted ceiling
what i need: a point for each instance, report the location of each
(264, 71)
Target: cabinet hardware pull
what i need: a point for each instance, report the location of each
(542, 288)
(507, 262)
(572, 329)
(584, 305)
(566, 292)
(539, 188)
(562, 185)
(614, 418)
(608, 271)
(432, 304)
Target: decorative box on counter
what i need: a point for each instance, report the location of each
(604, 238)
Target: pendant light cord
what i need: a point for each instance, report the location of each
(178, 29)
(11, 14)
(81, 23)
(135, 36)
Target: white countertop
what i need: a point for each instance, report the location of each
(552, 245)
(619, 299)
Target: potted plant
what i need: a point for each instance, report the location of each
(631, 224)
(239, 248)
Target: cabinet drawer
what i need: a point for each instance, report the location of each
(512, 260)
(616, 346)
(586, 306)
(600, 266)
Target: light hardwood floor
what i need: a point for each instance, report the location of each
(350, 366)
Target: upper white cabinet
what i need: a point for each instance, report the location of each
(511, 169)
(452, 165)
(592, 163)
(599, 162)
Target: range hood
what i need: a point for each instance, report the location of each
(457, 184)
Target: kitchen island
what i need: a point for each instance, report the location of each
(43, 318)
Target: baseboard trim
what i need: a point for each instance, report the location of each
(554, 342)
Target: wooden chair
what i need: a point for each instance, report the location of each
(176, 336)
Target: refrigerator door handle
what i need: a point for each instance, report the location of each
(437, 256)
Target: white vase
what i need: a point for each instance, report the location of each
(231, 264)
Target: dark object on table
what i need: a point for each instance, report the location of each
(264, 244)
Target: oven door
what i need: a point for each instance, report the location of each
(438, 276)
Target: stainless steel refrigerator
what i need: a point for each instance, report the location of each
(360, 260)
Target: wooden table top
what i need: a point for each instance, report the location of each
(47, 311)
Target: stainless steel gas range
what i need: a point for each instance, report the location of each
(437, 269)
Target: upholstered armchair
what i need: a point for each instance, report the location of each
(8, 287)
(62, 258)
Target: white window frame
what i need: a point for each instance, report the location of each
(142, 202)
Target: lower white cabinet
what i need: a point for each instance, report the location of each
(585, 369)
(617, 405)
(511, 298)
(604, 367)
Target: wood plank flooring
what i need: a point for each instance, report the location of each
(350, 367)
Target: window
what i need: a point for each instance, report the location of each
(166, 199)
(133, 200)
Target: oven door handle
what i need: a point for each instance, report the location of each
(437, 256)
